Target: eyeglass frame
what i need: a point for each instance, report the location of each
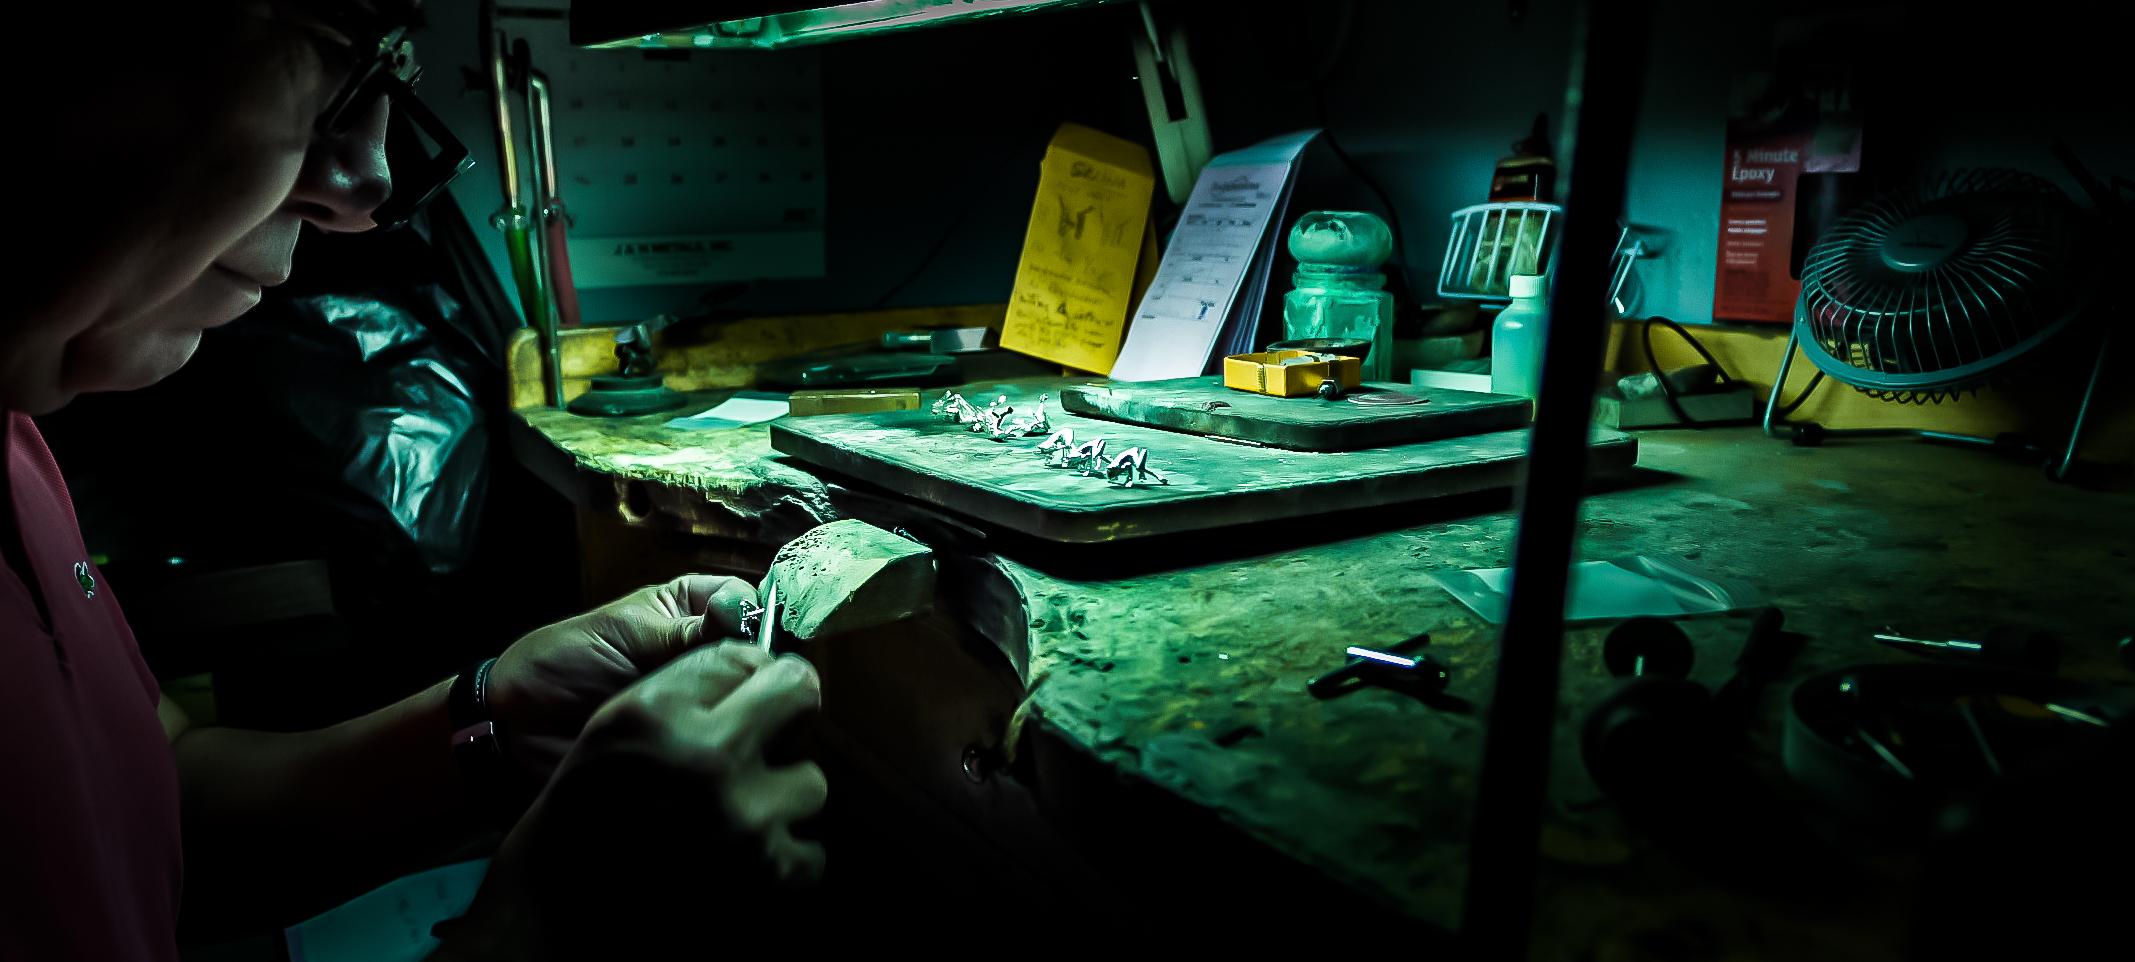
(391, 72)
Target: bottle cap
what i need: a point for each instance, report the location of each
(1528, 285)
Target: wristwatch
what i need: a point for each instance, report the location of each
(477, 746)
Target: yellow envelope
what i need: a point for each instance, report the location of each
(1076, 282)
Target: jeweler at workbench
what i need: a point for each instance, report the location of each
(166, 183)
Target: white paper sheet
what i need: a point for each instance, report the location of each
(390, 923)
(736, 411)
(1240, 333)
(1222, 238)
(1197, 281)
(1611, 590)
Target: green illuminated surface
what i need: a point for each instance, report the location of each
(839, 22)
(1189, 677)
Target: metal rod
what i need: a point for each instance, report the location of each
(1779, 384)
(767, 629)
(543, 143)
(1608, 73)
(1979, 738)
(2083, 409)
(553, 218)
(540, 310)
(501, 111)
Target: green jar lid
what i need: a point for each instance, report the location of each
(1353, 239)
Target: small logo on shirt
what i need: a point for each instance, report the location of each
(85, 579)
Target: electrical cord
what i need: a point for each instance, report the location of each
(1393, 214)
(1668, 392)
(1788, 409)
(1779, 412)
(1329, 62)
(940, 244)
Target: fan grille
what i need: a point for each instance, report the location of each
(1925, 293)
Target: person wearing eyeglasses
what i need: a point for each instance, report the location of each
(168, 156)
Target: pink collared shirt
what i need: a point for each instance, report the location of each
(89, 851)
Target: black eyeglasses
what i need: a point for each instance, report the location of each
(425, 157)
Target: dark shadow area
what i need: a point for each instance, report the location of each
(331, 498)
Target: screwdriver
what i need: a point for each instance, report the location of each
(2005, 647)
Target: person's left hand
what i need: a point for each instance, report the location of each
(547, 684)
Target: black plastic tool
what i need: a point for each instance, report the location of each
(1765, 655)
(1647, 738)
(1396, 668)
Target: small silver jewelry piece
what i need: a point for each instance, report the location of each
(988, 420)
(1088, 458)
(1131, 468)
(1054, 449)
(752, 614)
(954, 409)
(1028, 426)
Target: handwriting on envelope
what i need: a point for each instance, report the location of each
(1076, 280)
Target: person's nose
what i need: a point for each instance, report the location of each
(345, 178)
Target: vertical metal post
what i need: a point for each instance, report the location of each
(1607, 76)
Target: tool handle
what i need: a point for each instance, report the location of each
(519, 247)
(560, 285)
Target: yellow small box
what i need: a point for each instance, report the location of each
(1265, 373)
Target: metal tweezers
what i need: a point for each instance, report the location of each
(767, 622)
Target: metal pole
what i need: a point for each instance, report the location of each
(1607, 76)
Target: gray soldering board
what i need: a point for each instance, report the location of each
(1214, 483)
(1202, 405)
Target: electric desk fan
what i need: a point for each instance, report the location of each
(1930, 292)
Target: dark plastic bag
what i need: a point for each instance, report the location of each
(379, 398)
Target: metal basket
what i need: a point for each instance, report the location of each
(1492, 242)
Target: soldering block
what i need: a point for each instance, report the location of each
(849, 575)
(858, 400)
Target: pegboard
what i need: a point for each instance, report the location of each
(683, 167)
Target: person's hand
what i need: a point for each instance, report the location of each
(547, 684)
(665, 810)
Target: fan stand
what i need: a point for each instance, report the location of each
(1812, 434)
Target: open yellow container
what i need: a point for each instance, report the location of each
(1265, 372)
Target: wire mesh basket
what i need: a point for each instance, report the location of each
(1492, 242)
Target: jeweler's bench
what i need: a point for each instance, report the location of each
(1136, 713)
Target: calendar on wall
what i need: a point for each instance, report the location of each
(683, 167)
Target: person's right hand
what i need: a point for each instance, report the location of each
(665, 802)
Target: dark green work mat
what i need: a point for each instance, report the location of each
(1202, 405)
(1213, 483)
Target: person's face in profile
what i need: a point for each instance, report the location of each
(229, 169)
